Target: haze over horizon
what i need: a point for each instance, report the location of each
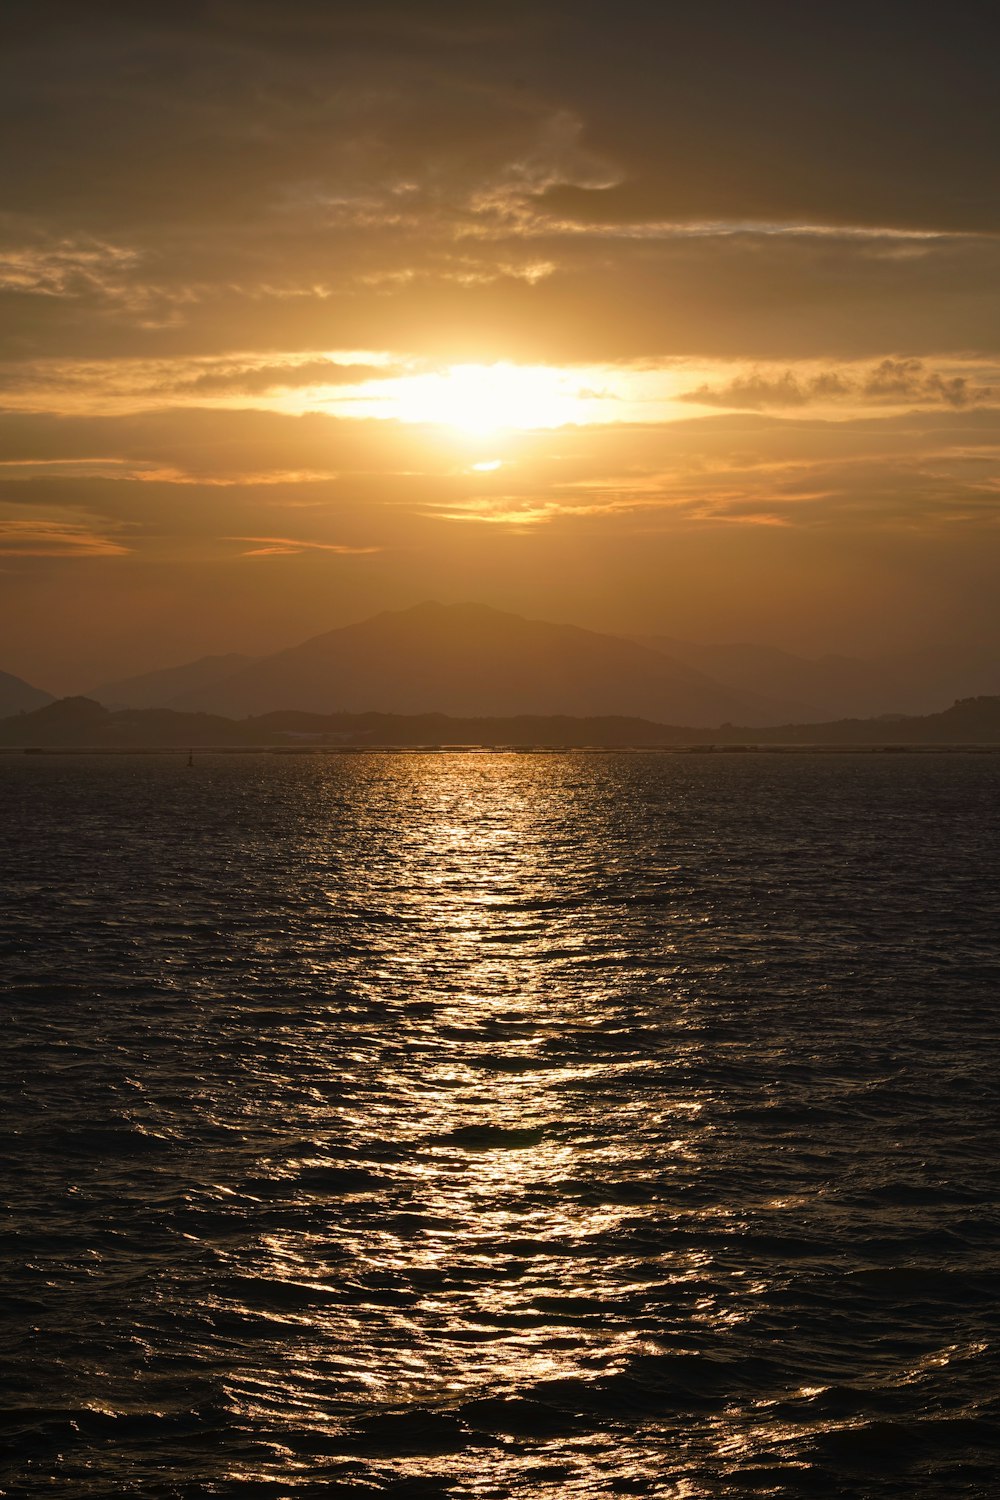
(311, 313)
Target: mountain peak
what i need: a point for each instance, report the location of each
(473, 659)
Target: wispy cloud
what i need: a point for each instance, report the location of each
(65, 267)
(249, 379)
(284, 546)
(55, 539)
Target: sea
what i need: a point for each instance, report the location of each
(489, 1125)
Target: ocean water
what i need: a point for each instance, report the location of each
(490, 1126)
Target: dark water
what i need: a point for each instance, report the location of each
(489, 1126)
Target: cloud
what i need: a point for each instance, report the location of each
(562, 296)
(55, 539)
(61, 268)
(899, 380)
(247, 379)
(685, 113)
(96, 386)
(893, 381)
(280, 546)
(536, 183)
(211, 444)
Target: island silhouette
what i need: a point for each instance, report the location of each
(82, 723)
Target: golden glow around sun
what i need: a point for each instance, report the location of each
(479, 399)
(486, 398)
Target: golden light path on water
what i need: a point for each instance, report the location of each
(490, 1122)
(497, 1125)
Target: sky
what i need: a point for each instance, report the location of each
(656, 318)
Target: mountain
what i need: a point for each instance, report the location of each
(81, 724)
(17, 696)
(829, 687)
(159, 689)
(970, 721)
(468, 659)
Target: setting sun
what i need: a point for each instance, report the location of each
(487, 398)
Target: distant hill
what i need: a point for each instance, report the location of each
(160, 689)
(17, 696)
(80, 723)
(970, 721)
(471, 660)
(830, 687)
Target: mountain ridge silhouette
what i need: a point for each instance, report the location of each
(18, 696)
(82, 724)
(472, 659)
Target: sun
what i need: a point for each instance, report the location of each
(488, 398)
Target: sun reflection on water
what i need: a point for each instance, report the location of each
(507, 1125)
(496, 1239)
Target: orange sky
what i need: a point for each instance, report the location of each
(685, 324)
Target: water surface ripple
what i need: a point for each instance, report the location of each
(500, 1125)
